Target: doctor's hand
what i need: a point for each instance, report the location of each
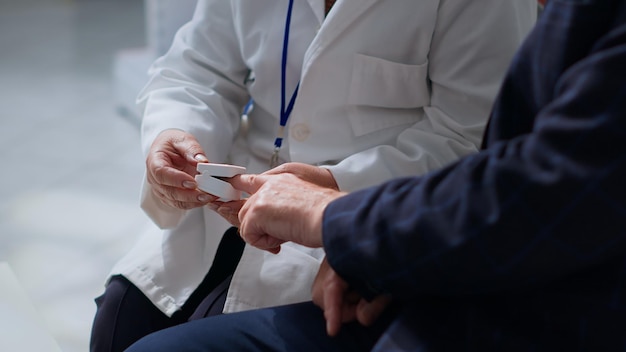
(282, 208)
(171, 167)
(313, 174)
(342, 305)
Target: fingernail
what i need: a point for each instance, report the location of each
(204, 198)
(212, 206)
(201, 158)
(189, 184)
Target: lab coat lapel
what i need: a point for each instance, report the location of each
(340, 18)
(342, 15)
(318, 9)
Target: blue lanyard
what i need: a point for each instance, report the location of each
(285, 111)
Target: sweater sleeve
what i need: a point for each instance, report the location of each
(526, 210)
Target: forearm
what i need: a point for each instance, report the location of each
(456, 232)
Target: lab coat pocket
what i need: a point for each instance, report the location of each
(385, 94)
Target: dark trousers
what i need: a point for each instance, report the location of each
(124, 314)
(297, 327)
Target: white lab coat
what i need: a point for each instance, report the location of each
(388, 88)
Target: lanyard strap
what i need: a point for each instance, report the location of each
(285, 108)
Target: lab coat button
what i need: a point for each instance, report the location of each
(300, 132)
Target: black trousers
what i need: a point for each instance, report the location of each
(124, 314)
(292, 328)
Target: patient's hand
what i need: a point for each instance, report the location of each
(228, 210)
(312, 174)
(340, 304)
(281, 208)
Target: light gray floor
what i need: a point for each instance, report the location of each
(70, 166)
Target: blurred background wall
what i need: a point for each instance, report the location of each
(70, 158)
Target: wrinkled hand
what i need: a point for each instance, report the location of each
(309, 173)
(282, 208)
(228, 210)
(171, 167)
(313, 174)
(340, 304)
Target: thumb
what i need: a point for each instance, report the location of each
(368, 312)
(200, 157)
(248, 183)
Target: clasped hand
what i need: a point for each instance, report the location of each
(341, 304)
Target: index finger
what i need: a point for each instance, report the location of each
(333, 304)
(166, 175)
(248, 183)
